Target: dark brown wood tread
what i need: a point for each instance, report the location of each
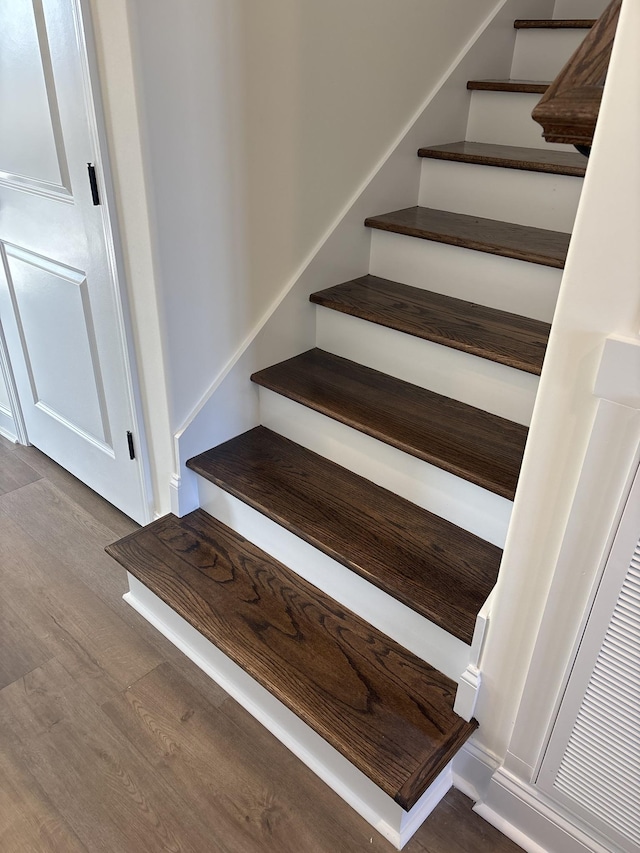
(435, 568)
(468, 442)
(507, 239)
(509, 339)
(386, 711)
(531, 87)
(554, 23)
(509, 157)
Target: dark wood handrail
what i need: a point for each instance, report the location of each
(569, 109)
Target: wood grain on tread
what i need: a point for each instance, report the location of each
(523, 242)
(468, 442)
(554, 23)
(510, 157)
(385, 710)
(435, 568)
(509, 339)
(530, 87)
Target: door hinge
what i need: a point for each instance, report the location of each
(93, 183)
(132, 452)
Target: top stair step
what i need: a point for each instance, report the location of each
(531, 87)
(523, 242)
(509, 157)
(554, 23)
(509, 339)
(389, 713)
(467, 442)
(438, 570)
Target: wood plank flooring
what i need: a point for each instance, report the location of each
(111, 740)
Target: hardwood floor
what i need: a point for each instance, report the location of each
(112, 741)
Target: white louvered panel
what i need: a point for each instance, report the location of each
(600, 765)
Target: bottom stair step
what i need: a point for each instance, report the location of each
(389, 713)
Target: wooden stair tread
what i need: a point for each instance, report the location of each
(385, 710)
(554, 23)
(435, 568)
(523, 242)
(509, 339)
(531, 87)
(470, 443)
(510, 157)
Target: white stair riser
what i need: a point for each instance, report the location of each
(579, 8)
(511, 285)
(479, 382)
(412, 631)
(388, 818)
(511, 195)
(542, 54)
(463, 503)
(504, 118)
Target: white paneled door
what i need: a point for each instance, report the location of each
(60, 302)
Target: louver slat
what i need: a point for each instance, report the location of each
(600, 769)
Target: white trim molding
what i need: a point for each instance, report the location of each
(618, 378)
(522, 813)
(183, 493)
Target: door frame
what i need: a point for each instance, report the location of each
(97, 130)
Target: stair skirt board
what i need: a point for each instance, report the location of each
(505, 118)
(526, 198)
(504, 283)
(542, 54)
(414, 632)
(464, 504)
(479, 382)
(378, 809)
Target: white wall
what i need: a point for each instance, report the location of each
(260, 121)
(600, 296)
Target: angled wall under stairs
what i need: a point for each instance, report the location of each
(345, 548)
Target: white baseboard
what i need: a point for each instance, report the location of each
(530, 819)
(7, 424)
(517, 809)
(378, 809)
(473, 768)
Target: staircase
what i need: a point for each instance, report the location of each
(345, 547)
